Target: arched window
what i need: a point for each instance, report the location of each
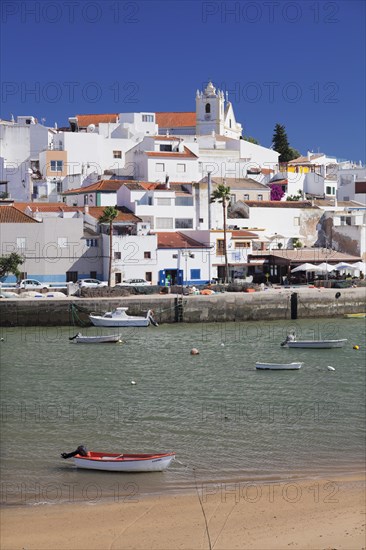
(208, 108)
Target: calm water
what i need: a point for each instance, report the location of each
(225, 420)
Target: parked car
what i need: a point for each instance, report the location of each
(32, 284)
(134, 282)
(91, 283)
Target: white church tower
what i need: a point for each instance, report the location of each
(213, 116)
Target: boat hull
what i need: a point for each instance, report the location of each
(105, 322)
(125, 463)
(278, 366)
(317, 344)
(97, 339)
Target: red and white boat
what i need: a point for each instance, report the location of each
(114, 462)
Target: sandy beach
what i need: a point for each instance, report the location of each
(314, 514)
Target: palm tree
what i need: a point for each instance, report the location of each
(222, 194)
(109, 215)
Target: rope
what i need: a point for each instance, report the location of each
(203, 510)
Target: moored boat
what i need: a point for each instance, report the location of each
(316, 344)
(292, 342)
(114, 462)
(119, 318)
(355, 315)
(279, 366)
(104, 339)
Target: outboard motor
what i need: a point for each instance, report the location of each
(152, 319)
(289, 338)
(81, 450)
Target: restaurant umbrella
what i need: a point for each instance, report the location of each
(305, 267)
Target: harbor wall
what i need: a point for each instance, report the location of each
(223, 307)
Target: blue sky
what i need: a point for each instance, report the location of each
(298, 63)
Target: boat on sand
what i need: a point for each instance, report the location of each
(116, 462)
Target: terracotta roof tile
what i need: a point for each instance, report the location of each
(175, 120)
(107, 186)
(178, 240)
(124, 214)
(46, 207)
(187, 154)
(9, 214)
(242, 233)
(85, 120)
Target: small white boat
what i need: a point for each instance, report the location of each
(279, 366)
(355, 315)
(105, 339)
(114, 462)
(119, 318)
(318, 344)
(291, 342)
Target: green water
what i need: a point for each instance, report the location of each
(225, 420)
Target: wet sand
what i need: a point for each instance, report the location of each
(316, 514)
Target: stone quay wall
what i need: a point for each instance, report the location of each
(223, 307)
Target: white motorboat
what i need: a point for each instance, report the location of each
(114, 462)
(119, 318)
(279, 366)
(291, 342)
(105, 339)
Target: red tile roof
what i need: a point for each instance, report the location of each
(187, 154)
(85, 120)
(9, 214)
(46, 207)
(175, 120)
(178, 240)
(242, 233)
(124, 214)
(107, 186)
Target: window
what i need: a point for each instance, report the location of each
(21, 243)
(208, 108)
(118, 278)
(242, 245)
(93, 274)
(92, 243)
(164, 201)
(62, 242)
(297, 221)
(181, 168)
(195, 273)
(166, 147)
(147, 118)
(184, 201)
(159, 167)
(117, 154)
(57, 165)
(246, 197)
(117, 255)
(148, 276)
(184, 223)
(220, 247)
(59, 186)
(149, 201)
(164, 223)
(200, 220)
(260, 197)
(147, 256)
(230, 123)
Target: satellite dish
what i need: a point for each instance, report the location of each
(91, 128)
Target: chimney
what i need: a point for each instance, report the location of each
(86, 209)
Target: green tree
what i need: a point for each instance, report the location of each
(110, 213)
(222, 195)
(251, 140)
(281, 145)
(10, 264)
